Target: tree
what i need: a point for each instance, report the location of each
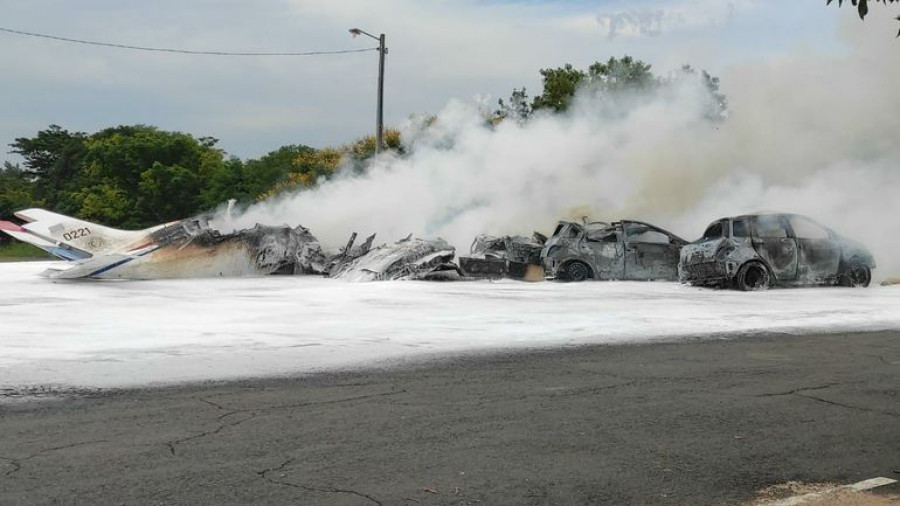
(246, 181)
(158, 175)
(311, 167)
(225, 183)
(619, 75)
(170, 192)
(716, 106)
(606, 79)
(260, 175)
(617, 81)
(559, 88)
(126, 176)
(135, 176)
(862, 7)
(106, 203)
(16, 190)
(518, 108)
(51, 160)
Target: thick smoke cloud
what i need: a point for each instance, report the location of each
(806, 133)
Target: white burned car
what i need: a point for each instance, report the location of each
(756, 251)
(630, 250)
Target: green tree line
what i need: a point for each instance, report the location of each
(619, 82)
(137, 176)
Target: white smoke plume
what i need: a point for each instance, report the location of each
(806, 133)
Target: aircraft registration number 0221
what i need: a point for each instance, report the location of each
(75, 234)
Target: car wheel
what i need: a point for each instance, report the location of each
(578, 271)
(856, 275)
(752, 276)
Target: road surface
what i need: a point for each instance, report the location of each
(692, 422)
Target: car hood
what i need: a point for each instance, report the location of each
(853, 249)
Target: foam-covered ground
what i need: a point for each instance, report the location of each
(127, 333)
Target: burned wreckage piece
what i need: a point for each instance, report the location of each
(409, 258)
(191, 248)
(626, 250)
(182, 249)
(755, 251)
(508, 256)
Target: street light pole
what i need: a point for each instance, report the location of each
(379, 115)
(379, 122)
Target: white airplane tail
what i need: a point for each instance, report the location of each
(82, 236)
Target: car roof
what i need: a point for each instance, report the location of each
(604, 225)
(757, 215)
(649, 225)
(766, 213)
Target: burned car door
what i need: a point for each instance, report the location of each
(605, 249)
(774, 245)
(650, 253)
(819, 256)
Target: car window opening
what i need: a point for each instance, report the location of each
(769, 228)
(807, 229)
(715, 231)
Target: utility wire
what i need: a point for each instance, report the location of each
(182, 51)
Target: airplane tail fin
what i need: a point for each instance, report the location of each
(81, 238)
(59, 251)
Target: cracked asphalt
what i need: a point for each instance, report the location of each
(692, 422)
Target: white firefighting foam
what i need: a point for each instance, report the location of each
(127, 333)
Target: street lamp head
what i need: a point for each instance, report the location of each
(355, 32)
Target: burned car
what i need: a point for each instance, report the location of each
(753, 252)
(626, 249)
(508, 256)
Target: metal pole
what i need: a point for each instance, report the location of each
(379, 127)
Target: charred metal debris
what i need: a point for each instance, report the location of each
(409, 258)
(285, 250)
(274, 250)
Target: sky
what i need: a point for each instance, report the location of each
(439, 51)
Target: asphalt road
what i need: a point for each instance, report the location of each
(696, 422)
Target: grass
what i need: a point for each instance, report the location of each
(20, 251)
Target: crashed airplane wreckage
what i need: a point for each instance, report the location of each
(191, 248)
(182, 249)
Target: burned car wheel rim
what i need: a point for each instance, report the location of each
(577, 271)
(753, 276)
(858, 276)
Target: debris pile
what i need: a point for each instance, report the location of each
(409, 258)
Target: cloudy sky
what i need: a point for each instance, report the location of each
(439, 50)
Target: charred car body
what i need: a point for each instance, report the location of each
(630, 250)
(755, 251)
(509, 256)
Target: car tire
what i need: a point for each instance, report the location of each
(856, 275)
(578, 271)
(752, 276)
